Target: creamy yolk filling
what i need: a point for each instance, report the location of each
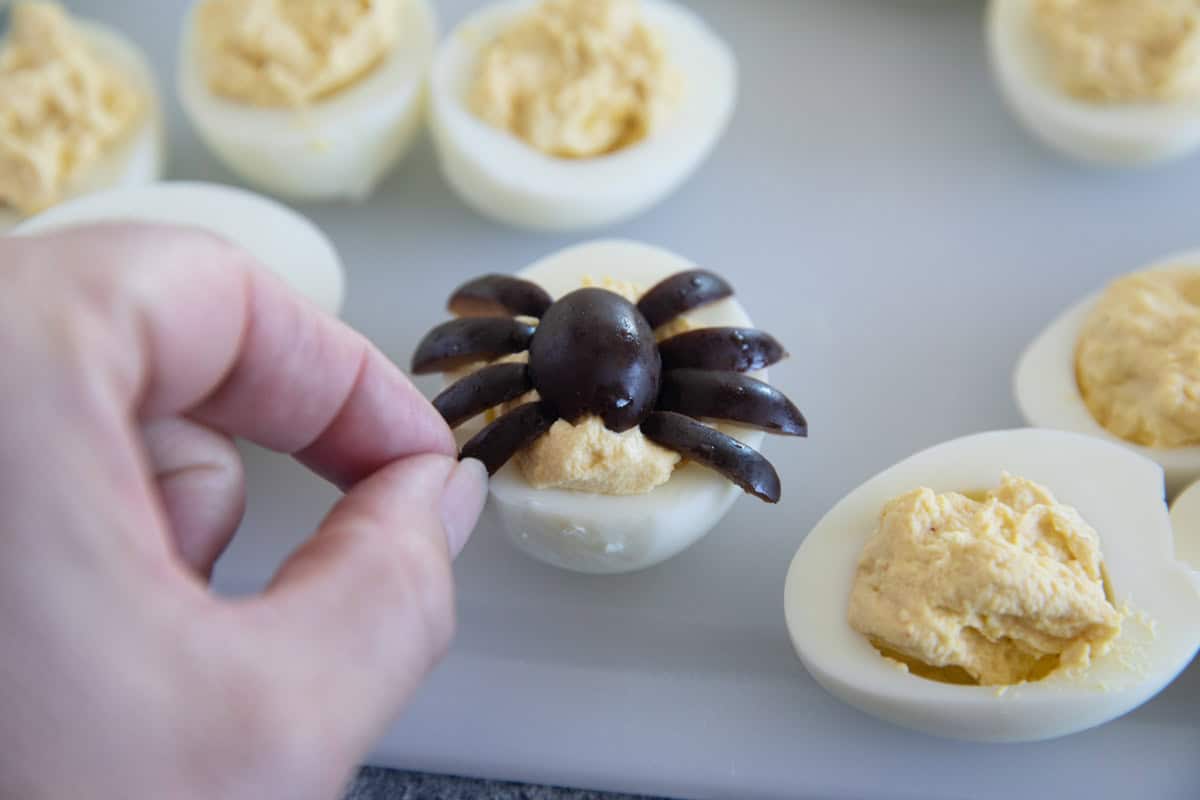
(292, 53)
(1119, 51)
(1137, 361)
(1000, 590)
(62, 107)
(576, 78)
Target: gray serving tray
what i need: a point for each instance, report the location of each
(878, 209)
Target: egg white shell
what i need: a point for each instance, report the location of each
(1048, 394)
(139, 157)
(282, 240)
(337, 148)
(1116, 491)
(505, 178)
(1185, 520)
(607, 534)
(1127, 134)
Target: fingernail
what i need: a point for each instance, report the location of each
(462, 500)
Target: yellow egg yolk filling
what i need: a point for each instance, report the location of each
(1120, 51)
(62, 107)
(292, 53)
(1137, 361)
(996, 591)
(576, 78)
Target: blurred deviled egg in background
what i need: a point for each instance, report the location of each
(1105, 81)
(569, 114)
(79, 111)
(1124, 364)
(308, 99)
(280, 239)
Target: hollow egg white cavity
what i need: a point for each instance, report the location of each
(503, 177)
(1116, 491)
(1048, 394)
(1126, 134)
(338, 148)
(139, 157)
(282, 240)
(1185, 520)
(607, 534)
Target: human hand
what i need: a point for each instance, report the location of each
(129, 355)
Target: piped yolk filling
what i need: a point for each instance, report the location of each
(1002, 588)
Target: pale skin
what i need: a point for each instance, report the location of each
(129, 358)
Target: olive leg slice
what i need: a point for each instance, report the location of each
(494, 295)
(460, 342)
(482, 390)
(680, 293)
(733, 349)
(730, 396)
(496, 444)
(740, 463)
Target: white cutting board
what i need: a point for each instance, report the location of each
(879, 211)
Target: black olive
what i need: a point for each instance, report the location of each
(594, 354)
(460, 342)
(730, 396)
(680, 293)
(494, 295)
(708, 447)
(481, 390)
(736, 349)
(498, 442)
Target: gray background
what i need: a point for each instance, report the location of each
(877, 209)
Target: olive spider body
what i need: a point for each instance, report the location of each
(594, 353)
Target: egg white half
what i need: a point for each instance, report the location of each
(1048, 394)
(505, 178)
(1185, 520)
(1126, 134)
(282, 240)
(337, 148)
(139, 157)
(607, 534)
(1116, 491)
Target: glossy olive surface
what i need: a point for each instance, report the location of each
(469, 340)
(740, 463)
(733, 349)
(680, 293)
(732, 396)
(483, 389)
(594, 354)
(493, 295)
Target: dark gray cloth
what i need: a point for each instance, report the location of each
(374, 783)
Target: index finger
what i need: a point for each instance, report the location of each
(199, 329)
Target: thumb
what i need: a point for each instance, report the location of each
(366, 606)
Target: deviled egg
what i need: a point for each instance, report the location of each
(608, 468)
(315, 99)
(568, 114)
(1107, 81)
(79, 111)
(1058, 589)
(1121, 365)
(282, 240)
